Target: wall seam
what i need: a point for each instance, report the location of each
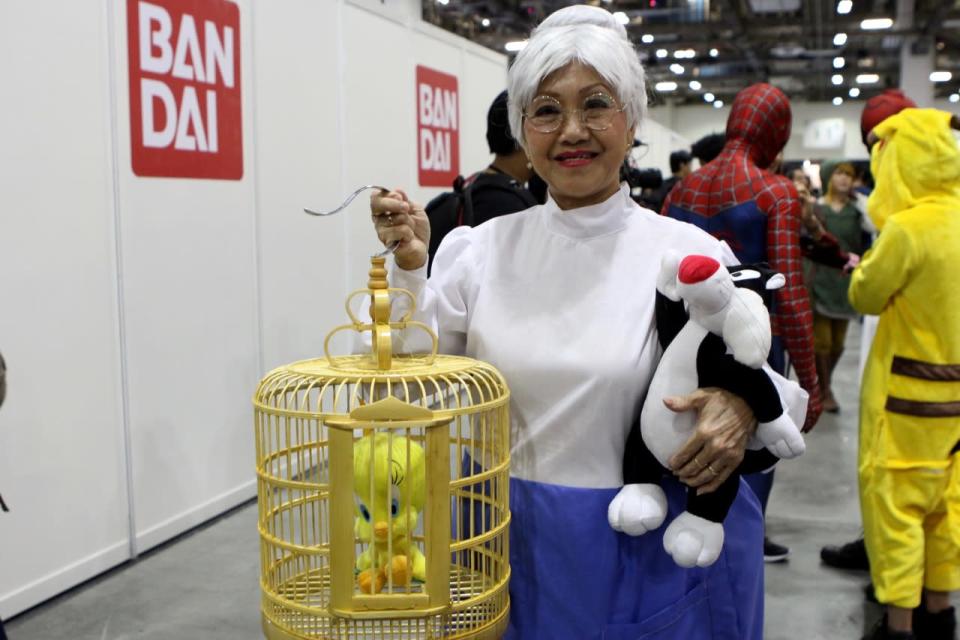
(257, 205)
(118, 261)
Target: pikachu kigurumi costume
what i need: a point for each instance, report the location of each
(910, 399)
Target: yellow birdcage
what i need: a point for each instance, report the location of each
(383, 490)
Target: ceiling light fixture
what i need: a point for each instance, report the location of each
(840, 39)
(718, 104)
(954, 97)
(485, 22)
(839, 62)
(695, 85)
(837, 79)
(844, 6)
(662, 53)
(708, 97)
(868, 78)
(666, 86)
(677, 69)
(622, 17)
(854, 92)
(516, 45)
(940, 76)
(873, 24)
(837, 101)
(714, 53)
(647, 38)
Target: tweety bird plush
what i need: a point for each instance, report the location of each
(388, 509)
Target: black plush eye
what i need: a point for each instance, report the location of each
(394, 507)
(364, 512)
(745, 274)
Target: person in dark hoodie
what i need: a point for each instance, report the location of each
(758, 213)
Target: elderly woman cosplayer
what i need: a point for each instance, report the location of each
(560, 298)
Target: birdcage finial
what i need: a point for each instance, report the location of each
(379, 324)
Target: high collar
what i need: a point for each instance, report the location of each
(595, 220)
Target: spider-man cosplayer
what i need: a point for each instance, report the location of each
(758, 214)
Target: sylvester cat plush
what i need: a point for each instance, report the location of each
(724, 344)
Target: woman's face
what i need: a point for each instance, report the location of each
(581, 166)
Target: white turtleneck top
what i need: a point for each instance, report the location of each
(562, 303)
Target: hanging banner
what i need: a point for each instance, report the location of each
(438, 128)
(184, 61)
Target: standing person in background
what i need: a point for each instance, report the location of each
(708, 147)
(495, 191)
(758, 214)
(909, 455)
(853, 555)
(681, 165)
(828, 287)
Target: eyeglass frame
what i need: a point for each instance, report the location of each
(565, 112)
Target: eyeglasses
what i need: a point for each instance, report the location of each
(546, 114)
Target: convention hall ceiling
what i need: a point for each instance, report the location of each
(818, 50)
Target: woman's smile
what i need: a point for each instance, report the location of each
(577, 158)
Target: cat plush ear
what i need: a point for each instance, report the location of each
(667, 278)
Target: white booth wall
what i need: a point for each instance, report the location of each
(139, 313)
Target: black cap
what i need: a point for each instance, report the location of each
(498, 127)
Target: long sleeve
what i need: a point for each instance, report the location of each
(444, 301)
(793, 316)
(883, 270)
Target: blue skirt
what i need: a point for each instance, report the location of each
(575, 578)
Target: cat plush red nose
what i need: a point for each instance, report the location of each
(695, 269)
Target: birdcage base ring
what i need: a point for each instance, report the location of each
(297, 609)
(496, 630)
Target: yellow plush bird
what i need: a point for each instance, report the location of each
(388, 509)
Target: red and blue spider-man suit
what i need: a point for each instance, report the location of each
(759, 215)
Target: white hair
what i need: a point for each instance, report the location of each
(585, 34)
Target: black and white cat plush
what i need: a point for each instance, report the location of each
(724, 344)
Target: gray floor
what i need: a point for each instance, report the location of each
(205, 585)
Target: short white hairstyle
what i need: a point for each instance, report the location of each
(584, 34)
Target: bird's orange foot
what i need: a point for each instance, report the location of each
(400, 570)
(371, 581)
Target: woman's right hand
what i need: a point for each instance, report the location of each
(396, 218)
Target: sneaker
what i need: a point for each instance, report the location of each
(773, 552)
(852, 555)
(881, 631)
(934, 626)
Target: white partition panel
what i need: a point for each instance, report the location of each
(189, 284)
(380, 120)
(61, 439)
(140, 312)
(299, 163)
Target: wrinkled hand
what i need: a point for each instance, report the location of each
(724, 426)
(396, 218)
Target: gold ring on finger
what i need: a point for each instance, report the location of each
(712, 470)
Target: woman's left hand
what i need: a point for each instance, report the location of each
(724, 426)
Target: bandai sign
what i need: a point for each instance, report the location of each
(438, 128)
(185, 118)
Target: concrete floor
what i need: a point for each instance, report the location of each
(204, 586)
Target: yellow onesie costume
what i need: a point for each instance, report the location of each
(910, 399)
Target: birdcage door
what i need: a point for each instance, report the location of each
(390, 511)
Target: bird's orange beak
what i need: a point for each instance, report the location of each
(381, 531)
